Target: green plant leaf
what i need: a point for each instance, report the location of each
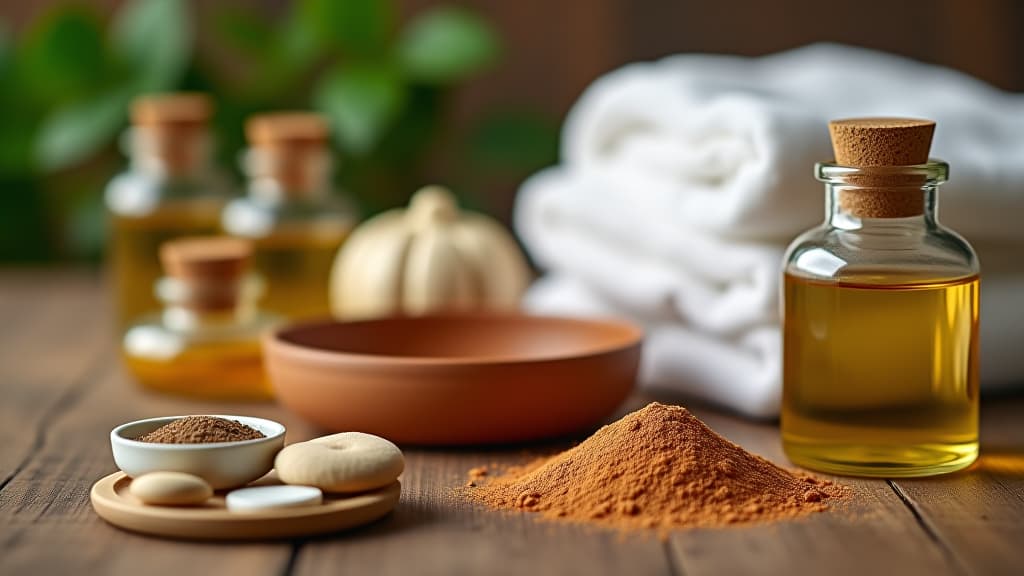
(445, 44)
(153, 38)
(84, 226)
(513, 141)
(5, 46)
(17, 123)
(253, 69)
(245, 30)
(63, 55)
(16, 155)
(24, 219)
(73, 132)
(360, 27)
(362, 102)
(298, 42)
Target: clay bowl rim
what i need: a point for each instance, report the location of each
(632, 336)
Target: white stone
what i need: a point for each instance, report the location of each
(259, 498)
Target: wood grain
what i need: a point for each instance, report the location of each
(45, 353)
(49, 524)
(70, 392)
(875, 533)
(979, 513)
(435, 531)
(64, 390)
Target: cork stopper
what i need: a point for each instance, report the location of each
(206, 257)
(879, 143)
(172, 129)
(293, 147)
(176, 109)
(209, 268)
(288, 130)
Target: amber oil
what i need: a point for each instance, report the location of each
(219, 370)
(296, 265)
(881, 379)
(169, 190)
(291, 214)
(134, 244)
(206, 340)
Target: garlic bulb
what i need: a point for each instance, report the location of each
(430, 257)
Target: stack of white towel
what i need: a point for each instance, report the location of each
(683, 180)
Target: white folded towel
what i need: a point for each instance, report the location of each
(734, 139)
(683, 180)
(741, 373)
(622, 240)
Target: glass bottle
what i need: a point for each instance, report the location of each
(169, 190)
(292, 216)
(880, 316)
(206, 341)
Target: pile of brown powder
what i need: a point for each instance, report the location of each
(199, 430)
(659, 467)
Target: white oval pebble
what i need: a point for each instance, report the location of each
(267, 497)
(170, 489)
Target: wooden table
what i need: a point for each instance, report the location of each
(63, 390)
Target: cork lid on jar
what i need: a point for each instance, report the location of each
(861, 142)
(170, 130)
(876, 146)
(182, 109)
(208, 269)
(288, 129)
(206, 257)
(291, 148)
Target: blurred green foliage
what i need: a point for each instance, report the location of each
(68, 79)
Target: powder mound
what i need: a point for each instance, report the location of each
(200, 430)
(660, 468)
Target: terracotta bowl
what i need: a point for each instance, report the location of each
(455, 379)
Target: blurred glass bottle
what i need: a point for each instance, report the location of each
(206, 341)
(291, 214)
(170, 189)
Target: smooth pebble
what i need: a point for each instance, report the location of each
(346, 462)
(259, 498)
(170, 489)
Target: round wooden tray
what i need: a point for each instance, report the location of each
(212, 520)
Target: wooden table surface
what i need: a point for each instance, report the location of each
(63, 390)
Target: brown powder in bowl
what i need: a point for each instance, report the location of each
(200, 430)
(662, 468)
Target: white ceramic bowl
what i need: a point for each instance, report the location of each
(222, 464)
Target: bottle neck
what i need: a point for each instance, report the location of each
(167, 152)
(881, 197)
(185, 319)
(288, 174)
(196, 307)
(842, 211)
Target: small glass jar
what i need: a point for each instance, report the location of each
(880, 330)
(291, 214)
(207, 340)
(171, 189)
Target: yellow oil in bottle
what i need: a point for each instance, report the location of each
(296, 265)
(290, 213)
(216, 370)
(881, 379)
(134, 246)
(206, 340)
